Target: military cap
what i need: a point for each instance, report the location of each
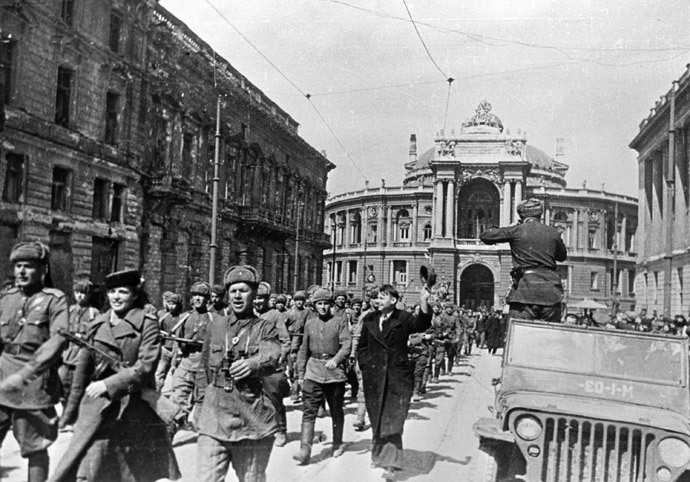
(218, 290)
(299, 295)
(356, 301)
(322, 294)
(166, 295)
(530, 208)
(264, 289)
(241, 274)
(342, 293)
(174, 298)
(30, 251)
(201, 288)
(83, 286)
(127, 277)
(374, 293)
(273, 296)
(281, 299)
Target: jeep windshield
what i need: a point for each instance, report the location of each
(616, 354)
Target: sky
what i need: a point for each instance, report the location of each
(583, 70)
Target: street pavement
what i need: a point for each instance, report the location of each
(438, 439)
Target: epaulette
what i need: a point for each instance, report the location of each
(53, 291)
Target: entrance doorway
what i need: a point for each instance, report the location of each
(477, 287)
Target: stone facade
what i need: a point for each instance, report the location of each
(663, 147)
(470, 181)
(107, 152)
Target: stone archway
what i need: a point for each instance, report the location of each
(476, 287)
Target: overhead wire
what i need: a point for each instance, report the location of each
(291, 82)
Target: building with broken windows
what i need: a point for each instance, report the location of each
(107, 152)
(471, 180)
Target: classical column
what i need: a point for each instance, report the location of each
(622, 239)
(346, 236)
(576, 229)
(547, 215)
(380, 233)
(518, 193)
(505, 212)
(450, 210)
(389, 226)
(438, 209)
(414, 229)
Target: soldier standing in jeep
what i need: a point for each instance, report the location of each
(537, 292)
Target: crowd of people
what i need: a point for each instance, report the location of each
(221, 362)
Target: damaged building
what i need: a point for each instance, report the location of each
(107, 152)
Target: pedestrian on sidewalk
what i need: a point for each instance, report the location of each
(387, 374)
(321, 365)
(237, 424)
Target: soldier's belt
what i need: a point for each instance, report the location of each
(17, 349)
(321, 356)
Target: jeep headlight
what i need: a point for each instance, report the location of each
(528, 427)
(674, 452)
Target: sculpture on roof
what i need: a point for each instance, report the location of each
(484, 117)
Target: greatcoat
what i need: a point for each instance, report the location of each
(387, 372)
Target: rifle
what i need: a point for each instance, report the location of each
(179, 339)
(165, 408)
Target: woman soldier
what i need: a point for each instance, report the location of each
(118, 436)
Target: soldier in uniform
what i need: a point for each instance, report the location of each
(419, 352)
(295, 325)
(216, 303)
(352, 377)
(276, 384)
(30, 315)
(238, 423)
(321, 365)
(189, 380)
(80, 315)
(537, 291)
(441, 338)
(169, 321)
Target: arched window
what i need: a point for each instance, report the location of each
(403, 222)
(427, 232)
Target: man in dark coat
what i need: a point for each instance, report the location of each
(537, 291)
(387, 374)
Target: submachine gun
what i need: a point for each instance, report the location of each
(166, 409)
(169, 336)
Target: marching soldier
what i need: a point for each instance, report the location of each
(189, 380)
(295, 325)
(216, 303)
(30, 316)
(169, 322)
(80, 315)
(238, 423)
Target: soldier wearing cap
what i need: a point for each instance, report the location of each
(164, 297)
(321, 366)
(277, 385)
(238, 422)
(30, 317)
(169, 321)
(80, 315)
(189, 380)
(537, 291)
(295, 325)
(216, 303)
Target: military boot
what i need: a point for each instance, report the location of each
(338, 447)
(306, 439)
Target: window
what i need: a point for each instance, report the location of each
(427, 232)
(631, 281)
(14, 178)
(404, 232)
(338, 272)
(64, 92)
(100, 199)
(116, 213)
(656, 286)
(399, 273)
(6, 61)
(592, 238)
(187, 142)
(60, 189)
(115, 32)
(352, 272)
(373, 233)
(67, 12)
(112, 107)
(679, 273)
(594, 281)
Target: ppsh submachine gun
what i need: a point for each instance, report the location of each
(166, 409)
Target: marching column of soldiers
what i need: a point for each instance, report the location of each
(222, 369)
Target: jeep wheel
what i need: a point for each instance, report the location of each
(497, 462)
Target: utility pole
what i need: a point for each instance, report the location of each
(614, 284)
(214, 211)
